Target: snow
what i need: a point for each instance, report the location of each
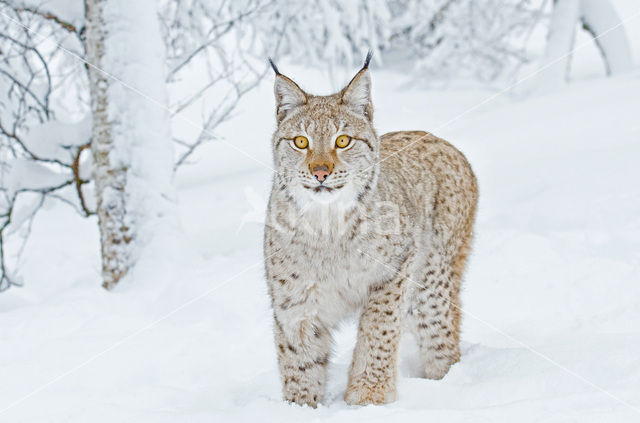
(54, 140)
(551, 330)
(29, 175)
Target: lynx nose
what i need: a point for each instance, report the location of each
(320, 171)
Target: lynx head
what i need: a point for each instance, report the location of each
(325, 147)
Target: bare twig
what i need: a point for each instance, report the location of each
(68, 26)
(75, 166)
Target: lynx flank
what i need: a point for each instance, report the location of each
(357, 224)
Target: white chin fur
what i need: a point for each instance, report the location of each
(325, 197)
(343, 197)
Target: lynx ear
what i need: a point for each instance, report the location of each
(288, 95)
(357, 94)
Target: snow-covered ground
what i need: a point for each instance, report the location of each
(551, 329)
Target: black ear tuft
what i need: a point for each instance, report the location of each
(274, 67)
(367, 59)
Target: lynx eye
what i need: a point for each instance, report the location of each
(301, 142)
(343, 141)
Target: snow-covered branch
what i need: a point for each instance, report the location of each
(40, 157)
(222, 44)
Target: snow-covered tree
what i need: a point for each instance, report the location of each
(484, 39)
(131, 137)
(327, 33)
(85, 115)
(600, 19)
(433, 38)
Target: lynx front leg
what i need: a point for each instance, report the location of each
(373, 375)
(303, 355)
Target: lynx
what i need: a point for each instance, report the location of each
(360, 224)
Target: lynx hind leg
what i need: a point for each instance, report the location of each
(434, 314)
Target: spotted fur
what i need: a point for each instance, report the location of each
(385, 238)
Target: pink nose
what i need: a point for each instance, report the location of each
(320, 172)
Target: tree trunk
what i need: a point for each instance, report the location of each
(600, 19)
(131, 141)
(560, 38)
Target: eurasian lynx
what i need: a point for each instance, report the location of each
(356, 223)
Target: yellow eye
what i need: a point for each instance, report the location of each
(343, 141)
(301, 142)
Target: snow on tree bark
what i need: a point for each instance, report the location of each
(600, 19)
(131, 145)
(560, 39)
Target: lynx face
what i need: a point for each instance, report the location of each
(325, 147)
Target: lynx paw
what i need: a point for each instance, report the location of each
(437, 369)
(363, 393)
(302, 398)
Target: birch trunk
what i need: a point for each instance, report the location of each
(131, 142)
